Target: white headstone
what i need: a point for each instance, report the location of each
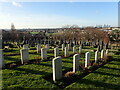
(48, 41)
(79, 42)
(38, 48)
(68, 46)
(0, 43)
(63, 46)
(2, 64)
(57, 68)
(66, 52)
(102, 54)
(87, 59)
(74, 49)
(24, 55)
(80, 49)
(96, 56)
(47, 46)
(43, 53)
(76, 64)
(107, 51)
(56, 51)
(74, 42)
(25, 46)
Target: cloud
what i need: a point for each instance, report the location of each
(16, 4)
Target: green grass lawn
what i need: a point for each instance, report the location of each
(12, 51)
(15, 58)
(33, 75)
(34, 32)
(107, 77)
(27, 76)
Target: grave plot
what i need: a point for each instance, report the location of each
(39, 74)
(43, 71)
(17, 58)
(33, 55)
(25, 77)
(106, 77)
(11, 57)
(13, 51)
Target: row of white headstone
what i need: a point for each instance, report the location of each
(68, 47)
(25, 54)
(57, 63)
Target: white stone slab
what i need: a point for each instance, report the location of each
(87, 59)
(80, 49)
(38, 48)
(76, 64)
(25, 46)
(96, 56)
(56, 52)
(0, 43)
(102, 54)
(107, 51)
(2, 63)
(63, 46)
(66, 53)
(57, 68)
(74, 49)
(24, 55)
(69, 46)
(43, 53)
(47, 46)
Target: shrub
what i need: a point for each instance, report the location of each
(94, 50)
(37, 59)
(95, 64)
(83, 60)
(90, 67)
(11, 45)
(117, 53)
(69, 74)
(90, 64)
(118, 49)
(106, 58)
(12, 65)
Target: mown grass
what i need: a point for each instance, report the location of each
(33, 54)
(25, 77)
(34, 32)
(15, 77)
(33, 75)
(106, 77)
(12, 51)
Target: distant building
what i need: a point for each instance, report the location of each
(13, 27)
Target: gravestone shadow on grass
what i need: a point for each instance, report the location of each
(27, 71)
(11, 59)
(102, 73)
(111, 67)
(99, 84)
